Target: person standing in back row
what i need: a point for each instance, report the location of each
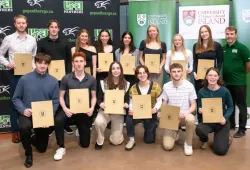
(236, 64)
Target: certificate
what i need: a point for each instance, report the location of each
(212, 111)
(114, 102)
(169, 117)
(203, 65)
(79, 100)
(142, 107)
(152, 61)
(23, 62)
(128, 64)
(42, 114)
(104, 61)
(57, 69)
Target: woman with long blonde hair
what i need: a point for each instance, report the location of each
(153, 45)
(83, 44)
(179, 52)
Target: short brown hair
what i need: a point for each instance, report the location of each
(219, 82)
(19, 16)
(139, 67)
(232, 28)
(176, 65)
(42, 57)
(79, 54)
(53, 20)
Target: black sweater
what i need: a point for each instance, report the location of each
(57, 49)
(216, 55)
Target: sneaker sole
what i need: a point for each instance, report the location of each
(69, 133)
(129, 149)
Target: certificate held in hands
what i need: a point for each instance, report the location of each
(79, 100)
(169, 118)
(42, 114)
(142, 107)
(128, 64)
(212, 110)
(23, 62)
(104, 61)
(57, 69)
(203, 65)
(152, 61)
(114, 102)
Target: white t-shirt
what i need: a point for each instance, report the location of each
(179, 96)
(180, 56)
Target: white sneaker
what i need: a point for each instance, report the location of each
(130, 145)
(77, 133)
(188, 150)
(59, 154)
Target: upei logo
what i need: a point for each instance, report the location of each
(97, 31)
(246, 15)
(141, 19)
(73, 7)
(4, 29)
(42, 113)
(4, 121)
(189, 17)
(79, 100)
(6, 6)
(38, 33)
(169, 117)
(212, 110)
(4, 89)
(35, 2)
(142, 106)
(70, 31)
(102, 4)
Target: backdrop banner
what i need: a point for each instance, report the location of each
(73, 15)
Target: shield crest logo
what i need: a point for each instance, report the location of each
(189, 17)
(141, 19)
(246, 15)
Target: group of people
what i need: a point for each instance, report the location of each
(38, 85)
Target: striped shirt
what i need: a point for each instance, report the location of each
(179, 96)
(14, 44)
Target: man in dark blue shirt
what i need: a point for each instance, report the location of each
(35, 86)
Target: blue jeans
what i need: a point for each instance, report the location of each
(13, 112)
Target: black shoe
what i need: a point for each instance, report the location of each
(239, 134)
(68, 130)
(28, 161)
(98, 147)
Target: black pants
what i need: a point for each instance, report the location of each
(221, 136)
(198, 86)
(41, 136)
(239, 98)
(149, 127)
(83, 124)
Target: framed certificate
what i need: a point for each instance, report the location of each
(79, 100)
(142, 107)
(128, 64)
(152, 61)
(104, 61)
(169, 117)
(57, 69)
(203, 65)
(114, 102)
(212, 111)
(23, 62)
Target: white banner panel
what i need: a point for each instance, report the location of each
(191, 18)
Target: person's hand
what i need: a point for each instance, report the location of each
(223, 122)
(27, 112)
(182, 115)
(130, 112)
(90, 112)
(154, 110)
(200, 110)
(68, 112)
(125, 105)
(102, 105)
(159, 114)
(195, 76)
(45, 127)
(98, 70)
(168, 71)
(11, 65)
(188, 71)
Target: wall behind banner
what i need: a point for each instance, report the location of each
(92, 15)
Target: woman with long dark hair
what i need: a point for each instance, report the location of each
(212, 88)
(114, 81)
(127, 47)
